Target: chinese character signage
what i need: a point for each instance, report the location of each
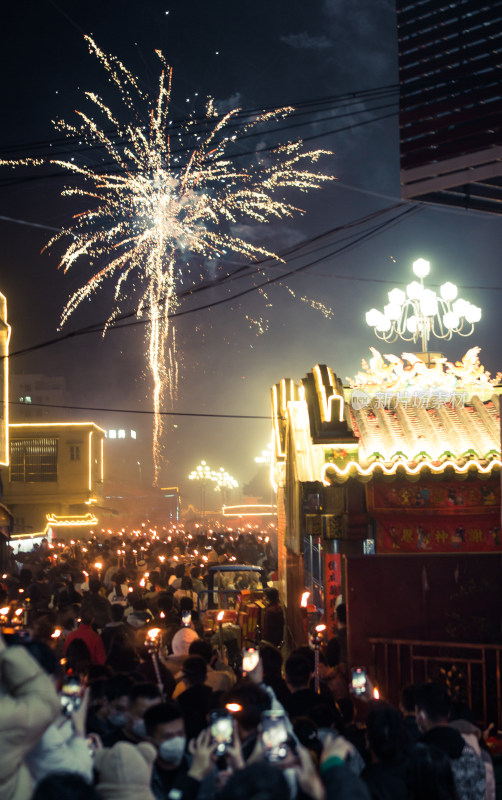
(438, 533)
(450, 497)
(332, 588)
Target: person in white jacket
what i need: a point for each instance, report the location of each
(28, 704)
(63, 746)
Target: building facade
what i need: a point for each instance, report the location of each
(55, 472)
(450, 73)
(37, 397)
(405, 461)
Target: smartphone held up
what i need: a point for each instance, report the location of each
(274, 735)
(222, 730)
(71, 694)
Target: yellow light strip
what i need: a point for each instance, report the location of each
(275, 401)
(90, 461)
(102, 460)
(272, 464)
(353, 466)
(36, 534)
(4, 460)
(56, 521)
(57, 425)
(326, 402)
(236, 512)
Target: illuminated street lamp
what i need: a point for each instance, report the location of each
(224, 482)
(421, 313)
(204, 474)
(265, 457)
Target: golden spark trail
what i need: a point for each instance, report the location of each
(146, 215)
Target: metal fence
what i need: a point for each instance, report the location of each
(471, 671)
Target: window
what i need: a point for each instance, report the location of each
(34, 460)
(121, 434)
(112, 434)
(133, 434)
(74, 452)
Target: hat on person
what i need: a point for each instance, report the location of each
(125, 770)
(182, 640)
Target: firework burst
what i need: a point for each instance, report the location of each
(146, 216)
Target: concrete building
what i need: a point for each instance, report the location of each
(55, 473)
(36, 397)
(450, 72)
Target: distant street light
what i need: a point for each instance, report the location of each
(204, 474)
(224, 482)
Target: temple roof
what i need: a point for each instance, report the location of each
(436, 436)
(333, 433)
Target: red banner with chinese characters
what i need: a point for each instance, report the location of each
(332, 588)
(447, 496)
(450, 497)
(439, 533)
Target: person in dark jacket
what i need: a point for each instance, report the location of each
(385, 776)
(407, 709)
(432, 712)
(96, 606)
(174, 773)
(429, 775)
(198, 699)
(273, 619)
(271, 659)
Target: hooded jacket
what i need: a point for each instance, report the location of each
(28, 704)
(468, 769)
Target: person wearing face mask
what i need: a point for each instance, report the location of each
(141, 697)
(176, 775)
(113, 713)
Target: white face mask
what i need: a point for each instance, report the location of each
(118, 719)
(139, 728)
(171, 751)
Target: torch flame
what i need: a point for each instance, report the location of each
(305, 597)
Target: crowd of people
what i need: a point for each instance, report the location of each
(114, 686)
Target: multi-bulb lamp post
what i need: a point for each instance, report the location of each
(205, 475)
(420, 313)
(224, 482)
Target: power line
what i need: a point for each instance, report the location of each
(99, 327)
(139, 411)
(227, 157)
(242, 118)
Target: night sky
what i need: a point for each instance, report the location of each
(254, 55)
